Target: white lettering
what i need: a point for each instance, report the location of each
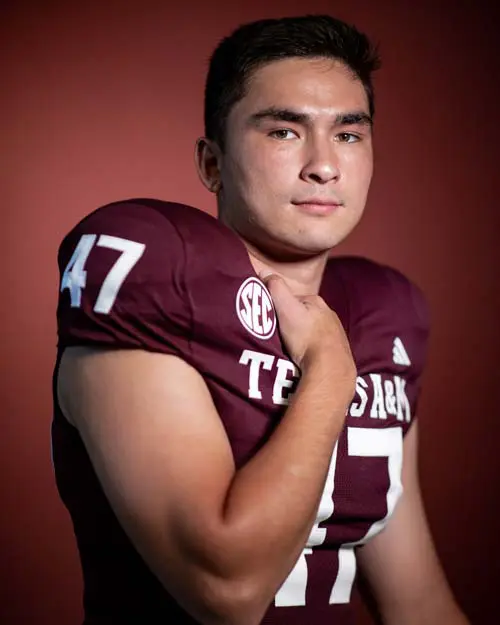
(256, 360)
(282, 381)
(390, 398)
(378, 408)
(402, 403)
(357, 410)
(256, 308)
(246, 313)
(267, 322)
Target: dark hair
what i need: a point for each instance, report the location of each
(258, 43)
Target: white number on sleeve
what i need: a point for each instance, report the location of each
(75, 276)
(361, 442)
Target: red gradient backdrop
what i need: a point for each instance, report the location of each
(103, 100)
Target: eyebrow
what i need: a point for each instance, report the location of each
(287, 115)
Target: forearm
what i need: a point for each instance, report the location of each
(273, 500)
(271, 505)
(427, 614)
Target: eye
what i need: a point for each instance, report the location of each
(348, 137)
(283, 133)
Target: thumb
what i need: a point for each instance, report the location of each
(283, 298)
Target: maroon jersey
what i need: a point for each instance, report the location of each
(169, 278)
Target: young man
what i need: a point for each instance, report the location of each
(224, 448)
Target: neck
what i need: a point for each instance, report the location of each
(302, 276)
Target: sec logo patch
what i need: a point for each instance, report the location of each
(255, 309)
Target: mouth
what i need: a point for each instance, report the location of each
(315, 206)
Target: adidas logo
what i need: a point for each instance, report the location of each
(399, 355)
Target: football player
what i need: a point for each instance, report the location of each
(234, 419)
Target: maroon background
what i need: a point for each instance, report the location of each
(100, 103)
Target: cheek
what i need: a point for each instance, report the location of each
(266, 172)
(358, 169)
(280, 168)
(272, 155)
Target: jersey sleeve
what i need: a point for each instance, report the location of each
(409, 326)
(122, 282)
(404, 317)
(387, 320)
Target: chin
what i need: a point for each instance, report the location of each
(319, 242)
(304, 241)
(289, 249)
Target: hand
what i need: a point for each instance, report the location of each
(311, 331)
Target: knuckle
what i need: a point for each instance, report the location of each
(273, 278)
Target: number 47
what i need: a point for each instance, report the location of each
(361, 442)
(75, 276)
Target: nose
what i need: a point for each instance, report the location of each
(321, 164)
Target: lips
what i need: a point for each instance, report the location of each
(318, 206)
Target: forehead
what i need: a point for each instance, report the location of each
(312, 85)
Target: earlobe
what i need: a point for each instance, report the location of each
(207, 164)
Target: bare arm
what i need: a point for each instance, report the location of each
(401, 564)
(220, 541)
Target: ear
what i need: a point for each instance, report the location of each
(207, 159)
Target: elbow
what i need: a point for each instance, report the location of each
(218, 585)
(232, 602)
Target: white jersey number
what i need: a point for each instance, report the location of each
(75, 277)
(361, 442)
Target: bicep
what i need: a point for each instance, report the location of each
(401, 564)
(159, 449)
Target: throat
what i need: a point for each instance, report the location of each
(303, 272)
(303, 276)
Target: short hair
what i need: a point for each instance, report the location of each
(261, 42)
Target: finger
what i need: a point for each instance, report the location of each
(280, 292)
(314, 301)
(289, 309)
